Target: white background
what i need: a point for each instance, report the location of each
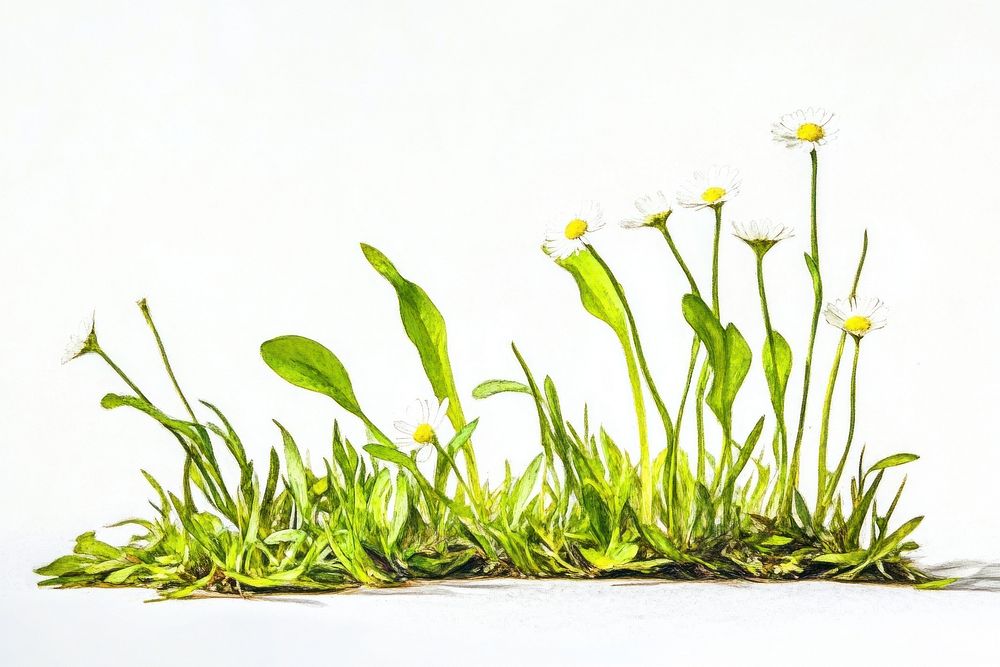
(225, 160)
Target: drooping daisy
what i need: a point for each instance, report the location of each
(857, 317)
(571, 238)
(805, 129)
(653, 211)
(761, 235)
(84, 341)
(710, 189)
(419, 429)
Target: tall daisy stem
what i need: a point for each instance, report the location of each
(817, 280)
(825, 496)
(144, 307)
(778, 399)
(674, 452)
(645, 465)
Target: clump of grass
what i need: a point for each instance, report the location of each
(385, 513)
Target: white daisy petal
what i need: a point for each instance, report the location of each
(709, 189)
(805, 129)
(83, 341)
(652, 210)
(574, 235)
(761, 235)
(857, 317)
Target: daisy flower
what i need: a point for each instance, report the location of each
(419, 429)
(761, 235)
(856, 316)
(653, 211)
(563, 243)
(710, 189)
(805, 129)
(84, 341)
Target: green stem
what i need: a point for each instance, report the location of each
(144, 307)
(699, 417)
(695, 347)
(831, 488)
(121, 374)
(680, 260)
(793, 476)
(645, 466)
(778, 402)
(715, 260)
(824, 428)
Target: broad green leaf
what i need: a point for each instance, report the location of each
(286, 535)
(492, 387)
(425, 328)
(817, 282)
(297, 479)
(65, 565)
(309, 365)
(849, 558)
(89, 545)
(738, 359)
(393, 455)
(598, 293)
(728, 354)
(782, 362)
(615, 556)
(892, 461)
(776, 541)
(523, 488)
(936, 584)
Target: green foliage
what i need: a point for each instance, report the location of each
(378, 515)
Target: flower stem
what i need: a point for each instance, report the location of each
(793, 477)
(826, 495)
(645, 466)
(715, 260)
(824, 428)
(680, 260)
(144, 307)
(103, 355)
(779, 401)
(695, 347)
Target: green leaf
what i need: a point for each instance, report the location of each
(297, 478)
(89, 545)
(728, 354)
(522, 490)
(598, 293)
(65, 565)
(782, 362)
(776, 541)
(309, 365)
(425, 328)
(817, 282)
(393, 455)
(892, 461)
(492, 387)
(936, 584)
(849, 558)
(614, 557)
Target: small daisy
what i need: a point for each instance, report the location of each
(710, 189)
(84, 341)
(856, 316)
(653, 211)
(562, 243)
(805, 129)
(421, 424)
(761, 235)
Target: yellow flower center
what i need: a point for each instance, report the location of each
(713, 194)
(810, 132)
(576, 228)
(423, 434)
(857, 324)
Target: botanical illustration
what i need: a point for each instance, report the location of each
(694, 498)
